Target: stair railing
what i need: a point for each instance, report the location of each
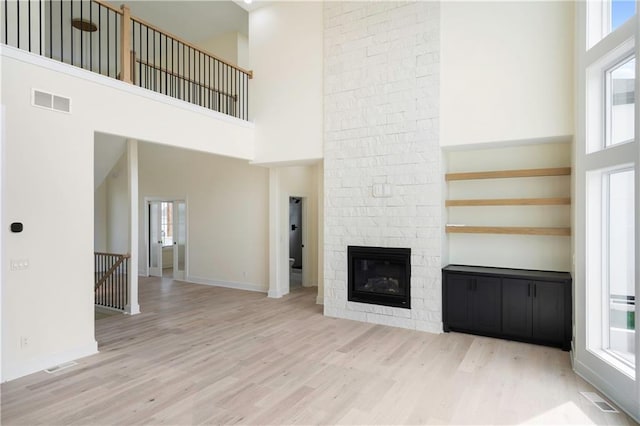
(111, 280)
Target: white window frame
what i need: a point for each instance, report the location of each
(596, 54)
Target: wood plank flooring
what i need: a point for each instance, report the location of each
(207, 355)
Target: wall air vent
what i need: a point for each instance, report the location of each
(51, 101)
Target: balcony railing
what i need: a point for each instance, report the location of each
(98, 37)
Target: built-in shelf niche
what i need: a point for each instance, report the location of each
(506, 174)
(509, 205)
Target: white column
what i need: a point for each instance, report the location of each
(274, 234)
(133, 307)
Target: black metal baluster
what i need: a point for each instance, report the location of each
(155, 72)
(115, 43)
(61, 33)
(140, 52)
(29, 22)
(40, 25)
(184, 95)
(91, 36)
(246, 97)
(133, 47)
(81, 36)
(18, 26)
(6, 22)
(72, 59)
(108, 43)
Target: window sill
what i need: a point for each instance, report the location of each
(615, 362)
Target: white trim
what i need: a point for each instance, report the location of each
(288, 163)
(226, 284)
(34, 365)
(61, 67)
(601, 384)
(588, 64)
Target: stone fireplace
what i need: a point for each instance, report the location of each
(382, 158)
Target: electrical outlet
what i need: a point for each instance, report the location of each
(19, 264)
(24, 342)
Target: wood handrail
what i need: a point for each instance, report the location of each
(193, 46)
(145, 63)
(108, 6)
(110, 271)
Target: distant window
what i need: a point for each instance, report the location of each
(166, 223)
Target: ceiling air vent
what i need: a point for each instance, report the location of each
(51, 101)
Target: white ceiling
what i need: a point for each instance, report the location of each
(194, 21)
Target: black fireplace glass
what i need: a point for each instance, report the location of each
(380, 275)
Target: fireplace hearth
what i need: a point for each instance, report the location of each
(380, 276)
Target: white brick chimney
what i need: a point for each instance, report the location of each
(382, 162)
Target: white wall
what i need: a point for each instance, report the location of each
(49, 155)
(100, 218)
(507, 70)
(286, 45)
(227, 211)
(118, 208)
(510, 251)
(224, 46)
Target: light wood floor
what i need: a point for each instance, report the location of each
(206, 355)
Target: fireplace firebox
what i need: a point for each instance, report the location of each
(380, 276)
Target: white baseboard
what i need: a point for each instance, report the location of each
(226, 284)
(603, 386)
(132, 309)
(34, 365)
(274, 294)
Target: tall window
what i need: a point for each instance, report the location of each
(610, 161)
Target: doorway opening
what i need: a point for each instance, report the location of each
(167, 238)
(296, 242)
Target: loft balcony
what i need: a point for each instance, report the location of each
(98, 37)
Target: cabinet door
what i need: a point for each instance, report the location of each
(458, 301)
(485, 305)
(517, 307)
(548, 311)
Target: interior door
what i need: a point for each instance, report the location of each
(179, 239)
(155, 239)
